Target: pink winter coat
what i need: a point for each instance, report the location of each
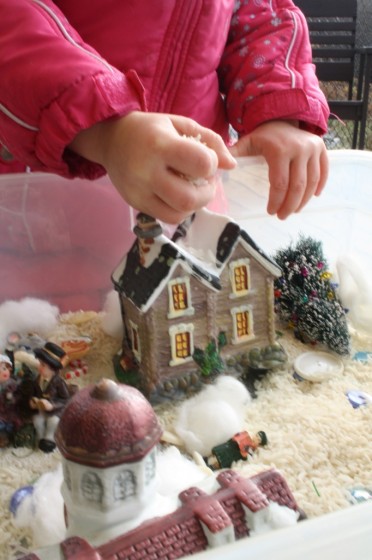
(69, 64)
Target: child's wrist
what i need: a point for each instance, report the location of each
(93, 143)
(293, 122)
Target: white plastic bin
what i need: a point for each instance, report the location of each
(60, 239)
(341, 217)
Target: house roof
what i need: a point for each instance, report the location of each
(202, 246)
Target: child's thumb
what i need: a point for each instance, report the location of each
(244, 147)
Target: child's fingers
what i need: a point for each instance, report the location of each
(303, 183)
(191, 159)
(324, 170)
(278, 178)
(313, 179)
(191, 130)
(305, 177)
(182, 194)
(173, 198)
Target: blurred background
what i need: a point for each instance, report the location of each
(340, 135)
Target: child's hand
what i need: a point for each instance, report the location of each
(155, 162)
(297, 160)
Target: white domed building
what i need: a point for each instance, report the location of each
(107, 437)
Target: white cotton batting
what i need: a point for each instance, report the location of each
(28, 315)
(355, 292)
(213, 416)
(274, 516)
(175, 472)
(42, 511)
(111, 320)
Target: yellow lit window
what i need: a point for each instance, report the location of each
(242, 323)
(182, 345)
(241, 278)
(181, 337)
(179, 295)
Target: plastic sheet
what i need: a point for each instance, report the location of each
(341, 218)
(61, 239)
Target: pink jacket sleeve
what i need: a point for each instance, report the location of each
(37, 46)
(267, 71)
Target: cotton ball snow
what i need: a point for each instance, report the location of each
(26, 316)
(355, 292)
(42, 511)
(175, 472)
(274, 516)
(111, 320)
(232, 391)
(213, 416)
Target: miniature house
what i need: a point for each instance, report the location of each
(179, 294)
(107, 437)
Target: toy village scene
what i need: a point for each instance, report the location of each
(215, 397)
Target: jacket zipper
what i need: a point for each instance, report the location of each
(173, 54)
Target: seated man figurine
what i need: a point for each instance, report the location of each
(49, 394)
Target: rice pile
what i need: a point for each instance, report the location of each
(320, 443)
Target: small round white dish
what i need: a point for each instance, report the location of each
(318, 366)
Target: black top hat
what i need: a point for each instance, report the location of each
(52, 355)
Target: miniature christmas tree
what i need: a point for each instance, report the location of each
(209, 360)
(305, 297)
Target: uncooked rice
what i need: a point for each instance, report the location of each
(320, 443)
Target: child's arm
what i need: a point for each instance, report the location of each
(163, 165)
(297, 160)
(53, 85)
(267, 71)
(274, 101)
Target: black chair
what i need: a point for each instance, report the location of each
(332, 25)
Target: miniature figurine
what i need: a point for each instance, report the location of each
(8, 386)
(15, 414)
(237, 448)
(48, 394)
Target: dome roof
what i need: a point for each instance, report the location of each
(107, 424)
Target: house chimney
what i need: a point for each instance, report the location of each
(147, 227)
(146, 230)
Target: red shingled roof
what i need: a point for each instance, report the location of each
(181, 533)
(107, 424)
